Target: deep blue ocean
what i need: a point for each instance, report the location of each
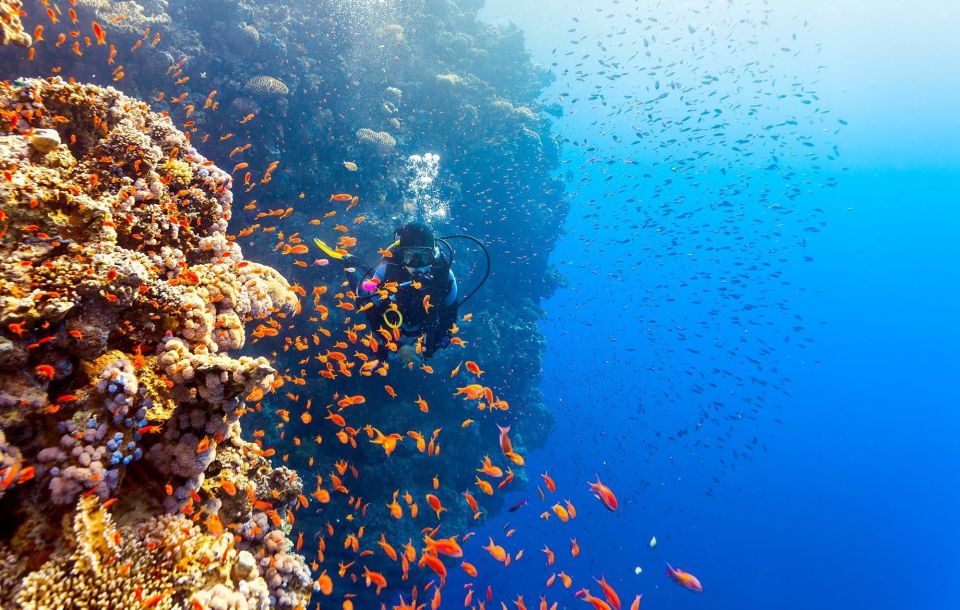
(828, 477)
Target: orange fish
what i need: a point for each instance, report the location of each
(389, 550)
(435, 504)
(484, 486)
(551, 486)
(443, 546)
(10, 475)
(297, 249)
(497, 552)
(471, 502)
(45, 370)
(603, 493)
(489, 469)
(436, 565)
(684, 579)
(375, 578)
(609, 593)
(473, 367)
(203, 445)
(422, 404)
(596, 602)
(505, 445)
(98, 32)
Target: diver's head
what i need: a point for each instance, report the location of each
(416, 249)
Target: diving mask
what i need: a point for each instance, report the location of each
(417, 260)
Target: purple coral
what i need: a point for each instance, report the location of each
(286, 575)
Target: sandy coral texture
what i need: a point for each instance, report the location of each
(11, 29)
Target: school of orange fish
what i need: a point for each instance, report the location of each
(350, 351)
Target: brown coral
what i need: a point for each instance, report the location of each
(120, 296)
(11, 29)
(162, 562)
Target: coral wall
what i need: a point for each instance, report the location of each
(120, 300)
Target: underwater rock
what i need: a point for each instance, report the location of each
(120, 298)
(44, 140)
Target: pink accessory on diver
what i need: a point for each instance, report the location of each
(369, 285)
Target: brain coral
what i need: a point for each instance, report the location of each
(120, 298)
(381, 141)
(266, 86)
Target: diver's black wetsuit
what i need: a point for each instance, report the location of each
(440, 284)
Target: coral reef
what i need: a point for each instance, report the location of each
(164, 562)
(266, 86)
(120, 298)
(11, 28)
(372, 85)
(380, 141)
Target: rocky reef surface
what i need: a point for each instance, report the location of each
(124, 480)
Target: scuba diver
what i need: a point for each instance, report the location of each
(427, 296)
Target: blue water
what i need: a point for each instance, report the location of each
(839, 486)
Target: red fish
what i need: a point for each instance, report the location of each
(603, 494)
(98, 33)
(598, 604)
(685, 579)
(549, 482)
(609, 593)
(505, 445)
